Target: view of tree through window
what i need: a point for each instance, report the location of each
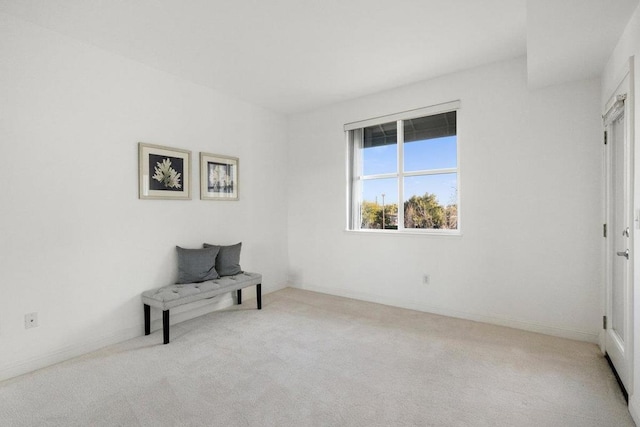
(412, 163)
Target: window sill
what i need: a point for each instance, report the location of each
(429, 233)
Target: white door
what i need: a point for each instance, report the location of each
(620, 233)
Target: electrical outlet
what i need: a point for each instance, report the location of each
(30, 320)
(426, 279)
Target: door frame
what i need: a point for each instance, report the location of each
(624, 365)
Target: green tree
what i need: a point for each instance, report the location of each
(370, 211)
(451, 217)
(390, 216)
(424, 212)
(371, 215)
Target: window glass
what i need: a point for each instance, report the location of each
(430, 201)
(379, 204)
(437, 153)
(413, 186)
(380, 149)
(430, 142)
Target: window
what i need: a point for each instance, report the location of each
(403, 171)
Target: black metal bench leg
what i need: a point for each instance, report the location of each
(147, 319)
(259, 295)
(239, 296)
(165, 325)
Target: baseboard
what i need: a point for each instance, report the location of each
(179, 314)
(601, 341)
(200, 308)
(494, 320)
(68, 352)
(634, 409)
(192, 310)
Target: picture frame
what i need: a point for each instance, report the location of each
(163, 172)
(219, 177)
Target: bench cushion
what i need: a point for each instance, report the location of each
(171, 296)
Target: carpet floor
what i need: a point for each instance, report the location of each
(309, 359)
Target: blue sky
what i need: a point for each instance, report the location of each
(434, 153)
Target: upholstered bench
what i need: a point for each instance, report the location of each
(168, 297)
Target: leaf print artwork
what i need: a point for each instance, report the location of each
(166, 175)
(164, 172)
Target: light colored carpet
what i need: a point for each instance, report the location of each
(310, 359)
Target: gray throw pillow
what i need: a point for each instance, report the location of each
(228, 259)
(196, 265)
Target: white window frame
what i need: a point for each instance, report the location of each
(354, 137)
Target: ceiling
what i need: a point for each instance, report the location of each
(572, 39)
(296, 55)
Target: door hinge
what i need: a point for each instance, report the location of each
(604, 230)
(604, 322)
(605, 137)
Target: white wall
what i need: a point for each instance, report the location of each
(628, 46)
(530, 184)
(78, 246)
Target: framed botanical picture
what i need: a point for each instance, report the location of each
(164, 172)
(218, 177)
